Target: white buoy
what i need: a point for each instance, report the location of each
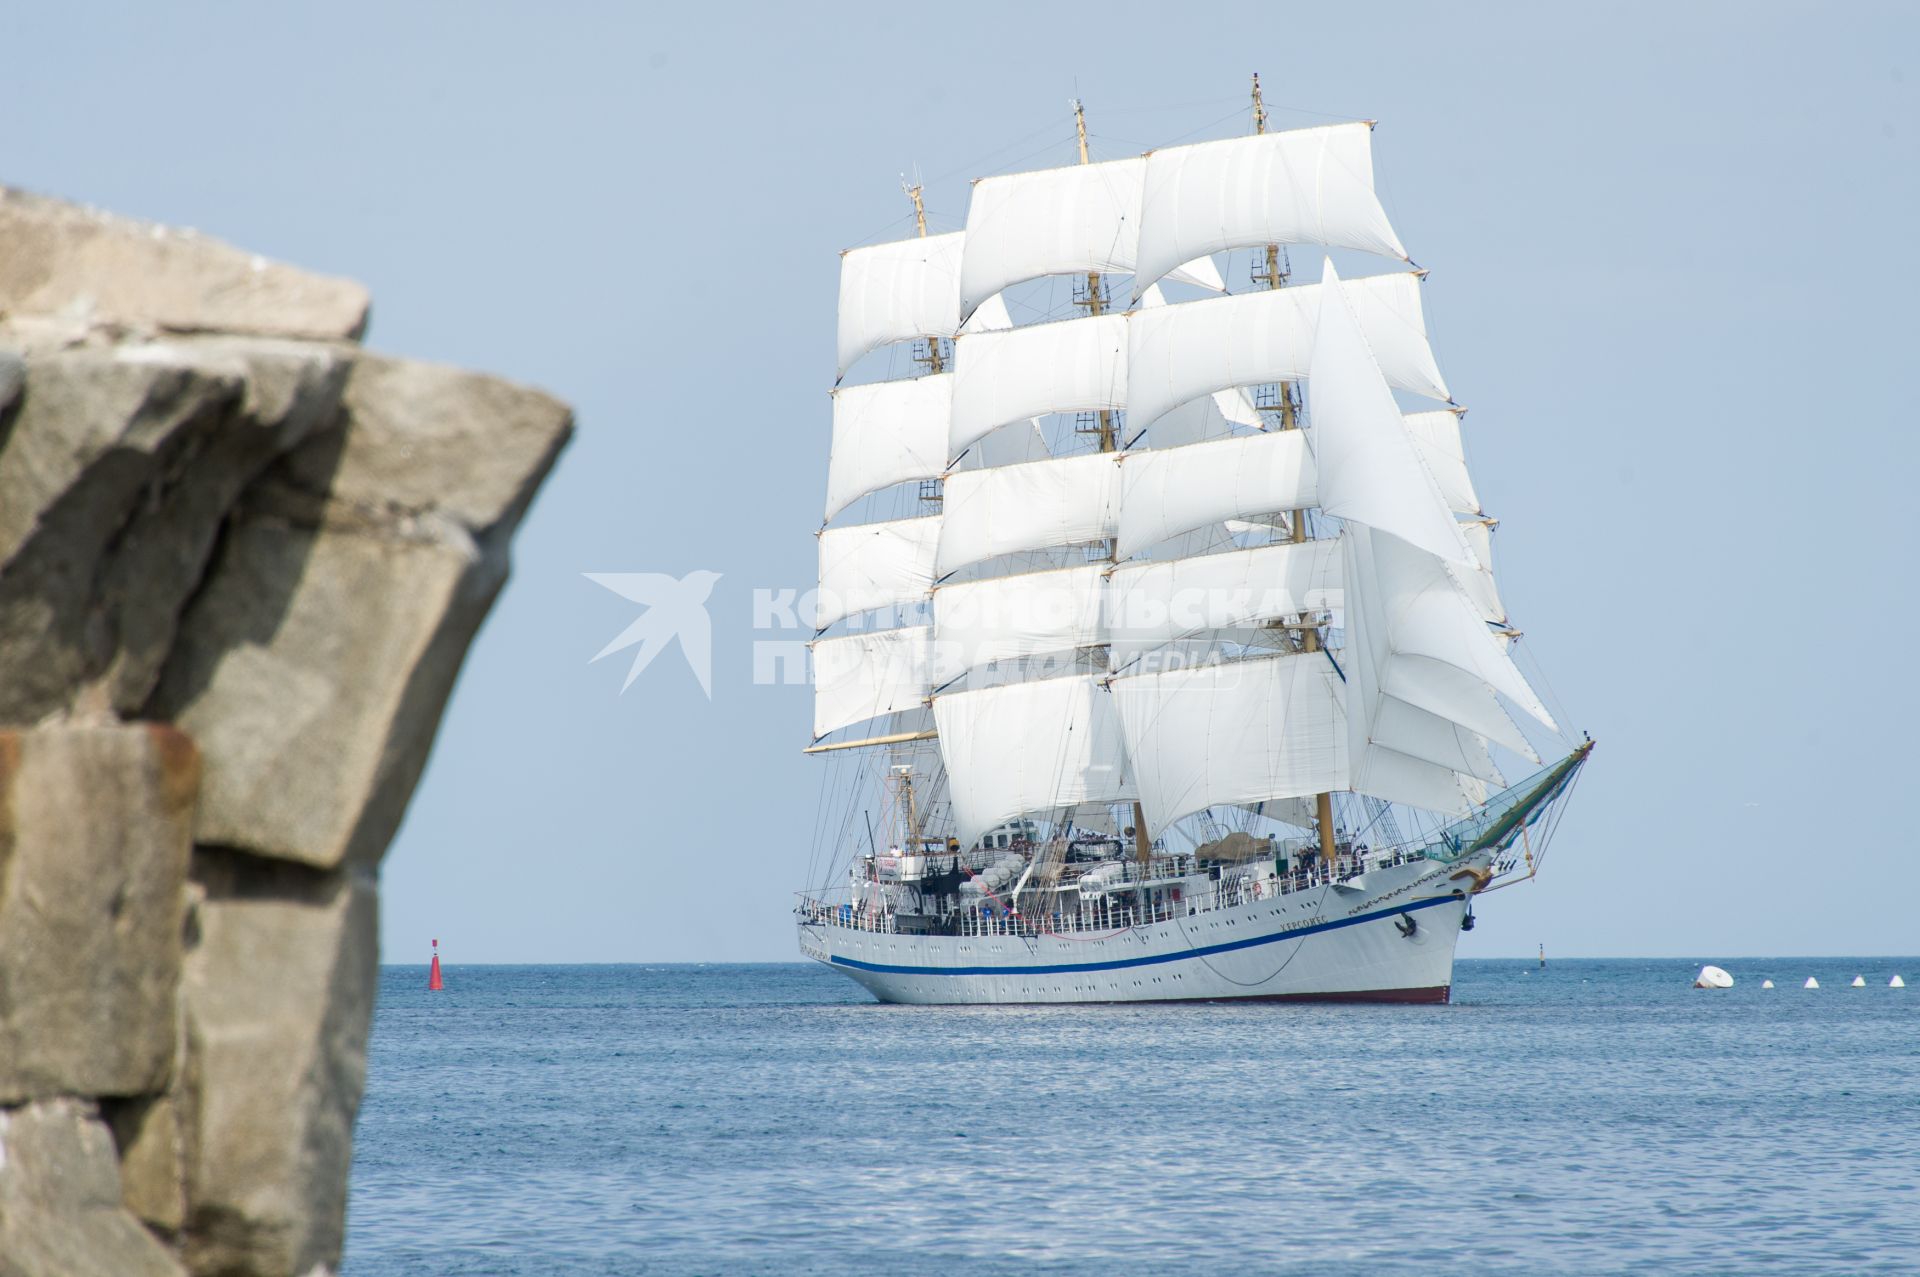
(1811, 983)
(1766, 984)
(1859, 982)
(1896, 983)
(1712, 978)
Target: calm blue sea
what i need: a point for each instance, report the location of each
(1594, 1117)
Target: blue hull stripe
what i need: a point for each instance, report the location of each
(1152, 959)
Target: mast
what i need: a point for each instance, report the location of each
(1275, 277)
(908, 811)
(932, 491)
(1096, 305)
(934, 359)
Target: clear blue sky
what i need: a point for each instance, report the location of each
(1653, 232)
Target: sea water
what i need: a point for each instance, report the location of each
(1582, 1117)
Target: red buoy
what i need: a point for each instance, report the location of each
(433, 976)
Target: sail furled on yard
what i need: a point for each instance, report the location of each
(1029, 747)
(1300, 186)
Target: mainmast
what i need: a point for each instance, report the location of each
(1095, 304)
(1275, 276)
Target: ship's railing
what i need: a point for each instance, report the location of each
(1117, 910)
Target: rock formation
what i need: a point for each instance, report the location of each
(241, 559)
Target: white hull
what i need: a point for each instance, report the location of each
(1334, 943)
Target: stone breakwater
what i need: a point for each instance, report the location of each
(241, 559)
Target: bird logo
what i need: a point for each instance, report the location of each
(675, 609)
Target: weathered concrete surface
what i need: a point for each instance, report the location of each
(425, 437)
(314, 664)
(277, 1000)
(218, 514)
(117, 473)
(13, 375)
(79, 263)
(60, 1212)
(153, 1159)
(95, 828)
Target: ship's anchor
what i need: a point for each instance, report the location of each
(1407, 925)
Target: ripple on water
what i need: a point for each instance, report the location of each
(1591, 1117)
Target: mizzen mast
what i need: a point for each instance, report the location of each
(934, 359)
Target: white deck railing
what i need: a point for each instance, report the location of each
(1118, 909)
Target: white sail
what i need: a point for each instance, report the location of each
(1369, 466)
(1399, 778)
(1013, 445)
(1478, 580)
(1059, 221)
(1238, 733)
(1150, 604)
(887, 432)
(863, 676)
(1073, 365)
(1209, 417)
(1430, 738)
(1298, 812)
(991, 316)
(1212, 416)
(897, 292)
(1062, 221)
(1030, 614)
(1301, 186)
(1436, 436)
(1029, 748)
(1179, 353)
(874, 565)
(1407, 614)
(1043, 503)
(1165, 492)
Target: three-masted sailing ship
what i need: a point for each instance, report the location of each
(1159, 655)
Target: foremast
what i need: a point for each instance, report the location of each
(1307, 624)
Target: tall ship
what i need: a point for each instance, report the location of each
(1158, 654)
